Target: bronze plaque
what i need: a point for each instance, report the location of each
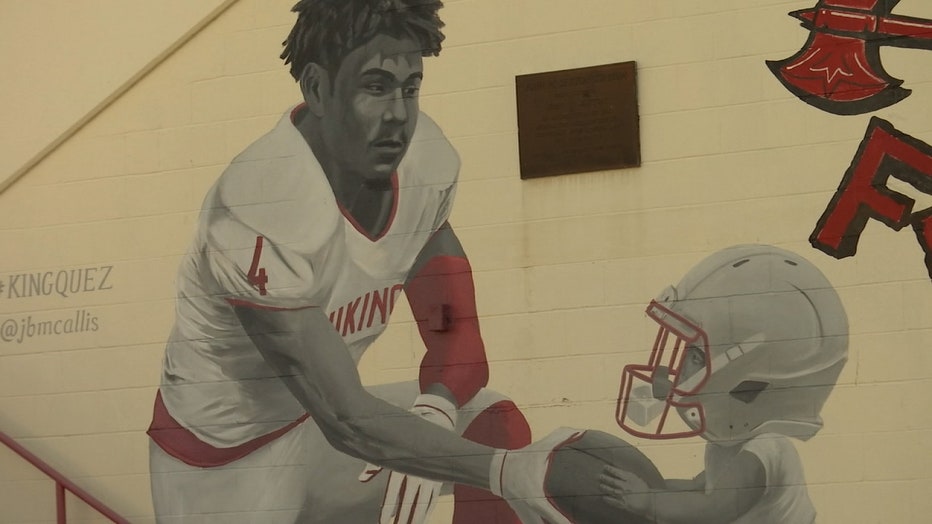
(578, 120)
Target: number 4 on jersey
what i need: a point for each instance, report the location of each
(256, 276)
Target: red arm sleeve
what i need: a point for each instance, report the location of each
(443, 300)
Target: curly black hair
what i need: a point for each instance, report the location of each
(328, 30)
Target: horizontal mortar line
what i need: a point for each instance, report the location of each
(131, 176)
(716, 108)
(645, 210)
(129, 348)
(66, 226)
(261, 29)
(219, 166)
(75, 225)
(472, 90)
(620, 27)
(860, 481)
(275, 70)
(89, 392)
(788, 99)
(154, 344)
(161, 257)
(513, 132)
(124, 219)
(82, 479)
(581, 309)
(188, 126)
(97, 298)
(40, 316)
(762, 56)
(185, 126)
(645, 350)
(726, 154)
(53, 437)
(891, 284)
(121, 305)
(116, 176)
(38, 476)
(76, 299)
(886, 283)
(510, 132)
(62, 353)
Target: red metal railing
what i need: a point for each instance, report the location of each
(61, 484)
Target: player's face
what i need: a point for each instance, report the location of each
(693, 362)
(371, 110)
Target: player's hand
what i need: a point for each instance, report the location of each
(411, 499)
(408, 499)
(625, 490)
(518, 476)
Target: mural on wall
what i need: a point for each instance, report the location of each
(750, 344)
(311, 235)
(301, 250)
(839, 69)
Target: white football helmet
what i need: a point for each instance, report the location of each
(751, 341)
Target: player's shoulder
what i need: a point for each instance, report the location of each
(431, 158)
(770, 444)
(275, 188)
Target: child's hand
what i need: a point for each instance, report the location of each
(625, 490)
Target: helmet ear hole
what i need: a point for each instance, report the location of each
(748, 390)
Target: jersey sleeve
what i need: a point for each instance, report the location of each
(445, 207)
(435, 165)
(272, 254)
(772, 452)
(785, 498)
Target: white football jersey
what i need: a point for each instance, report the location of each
(272, 234)
(785, 497)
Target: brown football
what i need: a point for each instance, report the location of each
(573, 479)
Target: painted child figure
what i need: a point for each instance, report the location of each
(750, 345)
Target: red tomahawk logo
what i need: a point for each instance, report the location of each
(839, 69)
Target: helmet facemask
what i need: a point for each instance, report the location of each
(651, 395)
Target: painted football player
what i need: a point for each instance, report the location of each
(303, 246)
(750, 344)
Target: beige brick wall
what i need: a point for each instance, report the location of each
(563, 266)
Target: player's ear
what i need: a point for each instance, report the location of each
(315, 86)
(748, 390)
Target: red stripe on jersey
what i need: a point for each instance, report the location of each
(179, 442)
(294, 112)
(391, 218)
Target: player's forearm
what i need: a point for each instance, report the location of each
(373, 430)
(394, 438)
(312, 359)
